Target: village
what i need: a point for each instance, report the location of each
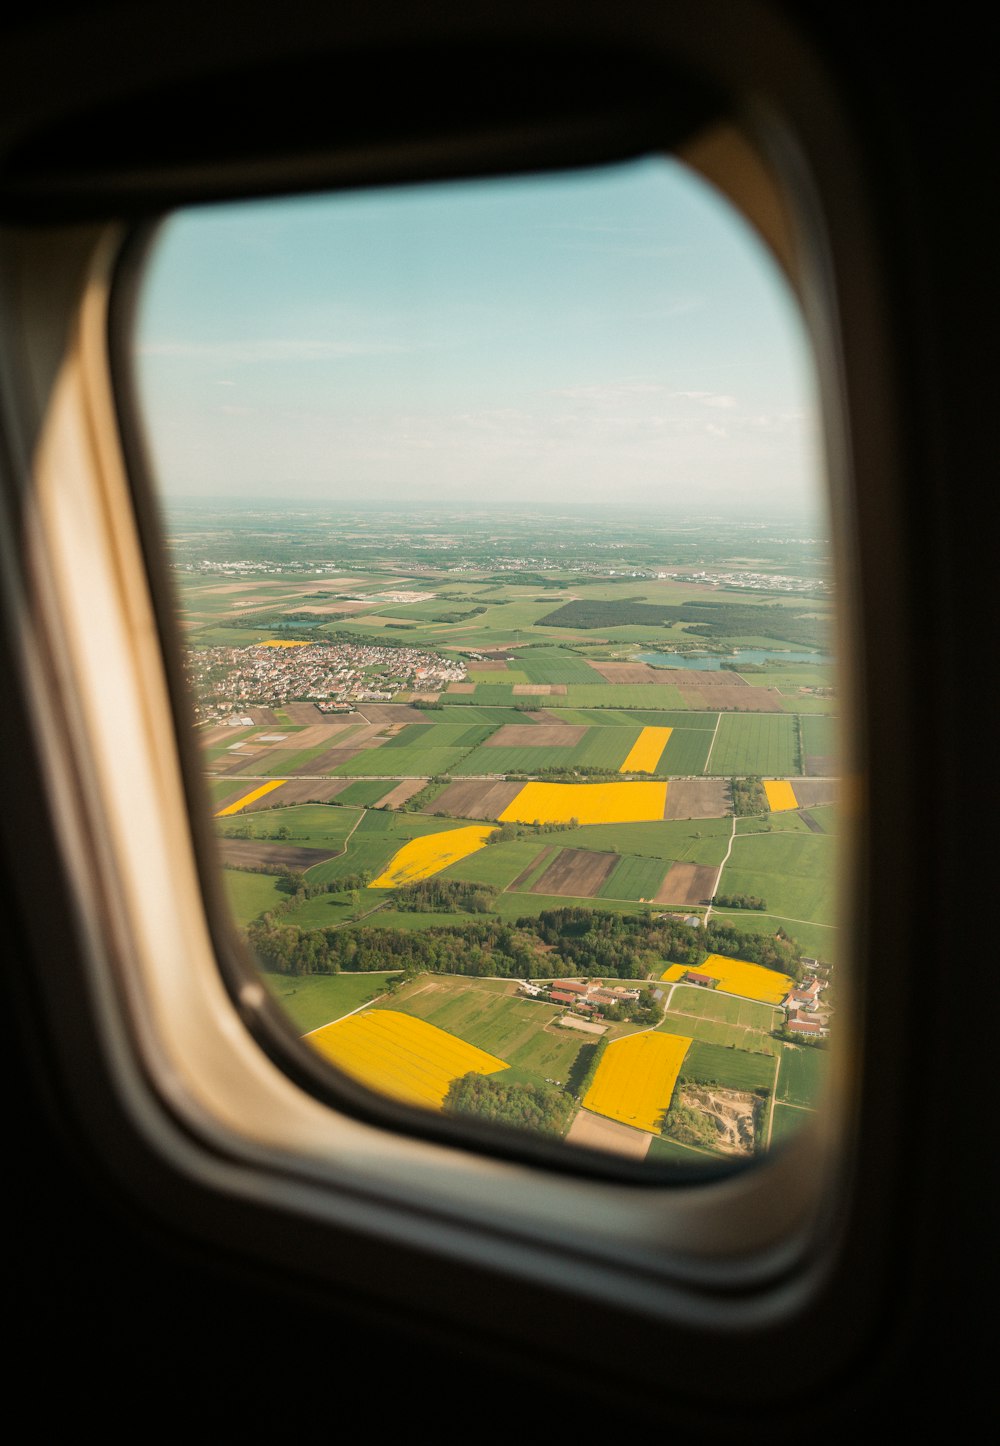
(333, 675)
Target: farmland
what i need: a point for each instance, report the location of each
(443, 703)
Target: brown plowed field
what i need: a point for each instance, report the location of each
(220, 733)
(460, 688)
(488, 665)
(474, 798)
(697, 798)
(266, 717)
(241, 763)
(299, 790)
(734, 698)
(703, 679)
(576, 872)
(687, 884)
(818, 765)
(537, 735)
(223, 588)
(350, 748)
(539, 690)
(628, 672)
(318, 733)
(245, 853)
(346, 606)
(594, 1132)
(402, 793)
(304, 713)
(810, 792)
(382, 713)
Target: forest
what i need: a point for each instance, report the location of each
(557, 942)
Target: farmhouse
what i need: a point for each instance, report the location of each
(559, 996)
(704, 981)
(803, 996)
(808, 1027)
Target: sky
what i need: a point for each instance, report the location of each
(605, 336)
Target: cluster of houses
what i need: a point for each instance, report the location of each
(227, 680)
(802, 1006)
(591, 997)
(805, 1015)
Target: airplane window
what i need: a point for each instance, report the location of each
(499, 541)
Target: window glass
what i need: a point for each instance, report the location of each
(499, 537)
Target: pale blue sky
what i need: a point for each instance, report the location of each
(573, 339)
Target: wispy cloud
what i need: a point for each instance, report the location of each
(267, 350)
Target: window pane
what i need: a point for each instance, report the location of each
(501, 551)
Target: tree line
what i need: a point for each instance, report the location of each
(556, 943)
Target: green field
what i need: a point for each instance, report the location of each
(735, 1069)
(498, 864)
(817, 940)
(366, 791)
(819, 736)
(786, 1121)
(250, 894)
(310, 825)
(803, 1075)
(669, 1152)
(717, 1019)
(555, 665)
(761, 743)
(390, 763)
(794, 872)
(313, 1000)
(598, 748)
(634, 878)
(416, 736)
(686, 752)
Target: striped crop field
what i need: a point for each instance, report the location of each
(422, 857)
(780, 794)
(737, 976)
(398, 1055)
(249, 798)
(646, 750)
(587, 803)
(635, 1079)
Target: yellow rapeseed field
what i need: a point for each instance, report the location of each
(780, 794)
(587, 802)
(250, 797)
(287, 643)
(422, 857)
(397, 1055)
(646, 750)
(635, 1079)
(737, 976)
